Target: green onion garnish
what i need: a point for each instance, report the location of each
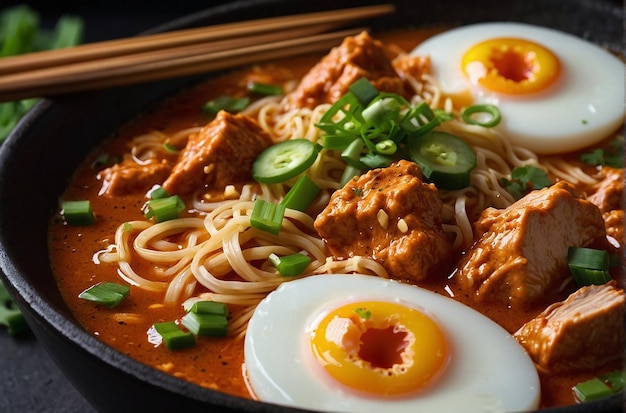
(301, 194)
(164, 209)
(589, 266)
(363, 90)
(290, 265)
(386, 147)
(78, 213)
(227, 103)
(349, 174)
(209, 307)
(108, 294)
(265, 89)
(173, 336)
(267, 216)
(600, 387)
(491, 111)
(209, 325)
(158, 192)
(420, 120)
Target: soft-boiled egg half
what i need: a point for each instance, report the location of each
(555, 91)
(358, 343)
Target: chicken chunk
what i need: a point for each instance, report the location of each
(220, 154)
(391, 216)
(358, 56)
(609, 197)
(581, 333)
(129, 177)
(522, 252)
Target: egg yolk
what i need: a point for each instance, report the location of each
(510, 65)
(381, 348)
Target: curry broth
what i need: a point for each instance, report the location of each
(212, 363)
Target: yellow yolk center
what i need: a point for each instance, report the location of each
(380, 347)
(512, 66)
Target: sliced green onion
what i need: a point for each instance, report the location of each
(227, 103)
(210, 325)
(420, 120)
(265, 89)
(491, 111)
(600, 387)
(283, 161)
(290, 265)
(173, 336)
(337, 142)
(445, 159)
(351, 122)
(363, 90)
(589, 266)
(209, 307)
(381, 109)
(301, 194)
(108, 294)
(267, 216)
(352, 154)
(158, 192)
(386, 147)
(78, 213)
(349, 174)
(164, 209)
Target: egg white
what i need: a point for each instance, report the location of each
(488, 370)
(583, 107)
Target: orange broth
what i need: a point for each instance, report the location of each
(214, 363)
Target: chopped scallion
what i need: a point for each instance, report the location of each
(589, 266)
(164, 209)
(78, 213)
(301, 194)
(386, 147)
(209, 307)
(108, 294)
(600, 387)
(474, 115)
(265, 89)
(363, 90)
(158, 192)
(227, 103)
(350, 173)
(173, 336)
(352, 154)
(210, 325)
(290, 265)
(267, 216)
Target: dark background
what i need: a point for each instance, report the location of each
(29, 380)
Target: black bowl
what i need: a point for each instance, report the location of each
(39, 157)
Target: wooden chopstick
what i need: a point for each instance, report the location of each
(21, 86)
(178, 53)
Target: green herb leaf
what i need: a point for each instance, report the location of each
(525, 179)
